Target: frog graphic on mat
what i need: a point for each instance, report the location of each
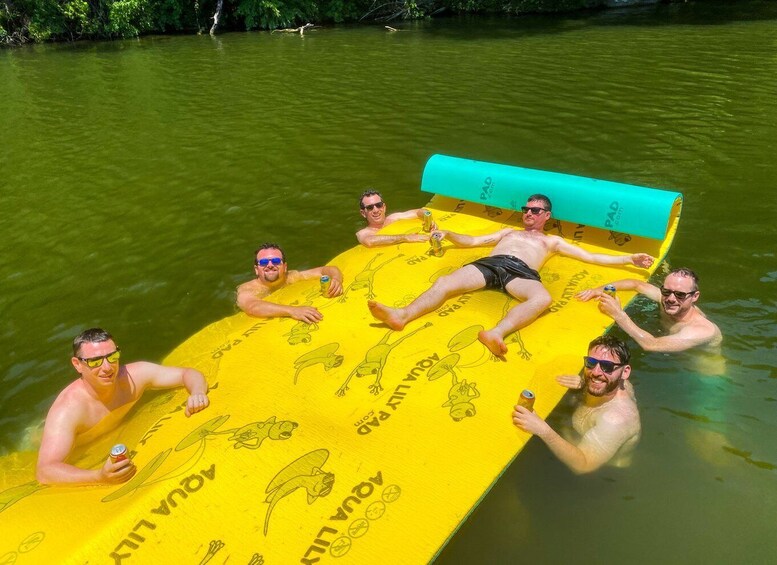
(324, 355)
(375, 360)
(305, 473)
(461, 394)
(366, 278)
(460, 398)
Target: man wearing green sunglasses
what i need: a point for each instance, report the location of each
(96, 402)
(606, 420)
(272, 273)
(686, 325)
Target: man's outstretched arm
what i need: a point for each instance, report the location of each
(463, 240)
(249, 303)
(370, 239)
(641, 287)
(642, 260)
(150, 375)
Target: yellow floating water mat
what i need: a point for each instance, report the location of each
(337, 442)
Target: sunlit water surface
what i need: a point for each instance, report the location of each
(136, 177)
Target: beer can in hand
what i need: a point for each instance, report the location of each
(609, 289)
(436, 244)
(325, 284)
(526, 400)
(119, 453)
(428, 221)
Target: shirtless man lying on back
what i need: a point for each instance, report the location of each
(512, 267)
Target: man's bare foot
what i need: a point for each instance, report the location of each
(388, 316)
(494, 342)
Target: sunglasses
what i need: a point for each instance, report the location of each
(536, 210)
(369, 207)
(264, 262)
(94, 362)
(607, 366)
(678, 294)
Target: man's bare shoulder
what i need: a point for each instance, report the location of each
(621, 410)
(75, 391)
(253, 287)
(703, 328)
(70, 406)
(368, 230)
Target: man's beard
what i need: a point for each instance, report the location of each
(609, 386)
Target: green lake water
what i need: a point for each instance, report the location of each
(136, 178)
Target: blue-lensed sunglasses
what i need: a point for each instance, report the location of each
(265, 262)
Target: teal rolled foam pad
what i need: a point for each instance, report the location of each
(615, 206)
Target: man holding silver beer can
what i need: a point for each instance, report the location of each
(606, 419)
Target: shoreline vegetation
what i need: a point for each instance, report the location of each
(37, 21)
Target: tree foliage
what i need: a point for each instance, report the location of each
(23, 21)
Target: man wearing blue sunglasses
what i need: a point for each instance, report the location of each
(272, 274)
(606, 420)
(686, 325)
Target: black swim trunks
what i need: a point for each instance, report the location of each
(499, 270)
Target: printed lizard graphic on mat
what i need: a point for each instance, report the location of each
(324, 355)
(366, 278)
(252, 435)
(12, 495)
(305, 472)
(375, 360)
(249, 436)
(461, 394)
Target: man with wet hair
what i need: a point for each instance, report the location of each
(95, 403)
(686, 324)
(511, 267)
(373, 209)
(606, 419)
(271, 274)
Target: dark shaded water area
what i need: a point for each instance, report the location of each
(136, 178)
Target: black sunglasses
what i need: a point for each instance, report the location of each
(678, 294)
(369, 207)
(536, 210)
(607, 366)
